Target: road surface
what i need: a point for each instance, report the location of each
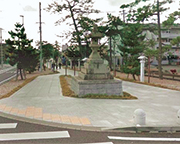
(18, 132)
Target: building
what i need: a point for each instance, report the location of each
(169, 34)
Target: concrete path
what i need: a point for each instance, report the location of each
(42, 99)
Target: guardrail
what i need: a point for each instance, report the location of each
(9, 78)
(166, 75)
(7, 69)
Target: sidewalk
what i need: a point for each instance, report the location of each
(42, 100)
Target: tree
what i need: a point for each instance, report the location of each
(56, 53)
(176, 41)
(74, 9)
(20, 49)
(47, 52)
(150, 52)
(86, 27)
(111, 30)
(32, 59)
(132, 46)
(144, 13)
(171, 19)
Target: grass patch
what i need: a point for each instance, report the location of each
(126, 96)
(51, 72)
(66, 91)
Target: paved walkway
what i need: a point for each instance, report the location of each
(42, 99)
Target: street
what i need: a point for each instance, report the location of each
(19, 132)
(7, 75)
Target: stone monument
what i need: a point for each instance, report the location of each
(95, 76)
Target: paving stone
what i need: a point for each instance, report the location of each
(2, 106)
(7, 109)
(46, 116)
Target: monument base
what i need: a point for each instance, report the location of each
(96, 76)
(83, 87)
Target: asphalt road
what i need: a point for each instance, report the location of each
(19, 132)
(7, 74)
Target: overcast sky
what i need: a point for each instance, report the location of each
(10, 11)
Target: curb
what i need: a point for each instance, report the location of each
(49, 123)
(148, 129)
(158, 129)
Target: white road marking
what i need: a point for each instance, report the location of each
(100, 143)
(34, 135)
(8, 125)
(143, 138)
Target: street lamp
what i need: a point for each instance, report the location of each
(1, 48)
(22, 19)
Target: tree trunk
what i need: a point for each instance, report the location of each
(134, 76)
(148, 69)
(21, 73)
(24, 73)
(110, 50)
(76, 28)
(17, 74)
(160, 45)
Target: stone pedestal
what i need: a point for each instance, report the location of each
(83, 87)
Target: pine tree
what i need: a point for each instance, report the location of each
(132, 46)
(146, 12)
(20, 51)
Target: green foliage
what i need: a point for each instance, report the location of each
(75, 11)
(176, 41)
(146, 11)
(112, 25)
(112, 30)
(73, 52)
(85, 27)
(32, 59)
(20, 51)
(149, 49)
(132, 46)
(47, 51)
(169, 22)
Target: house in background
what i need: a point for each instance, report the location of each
(169, 34)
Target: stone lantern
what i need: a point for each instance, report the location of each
(95, 76)
(94, 68)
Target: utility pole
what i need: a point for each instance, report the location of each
(1, 48)
(40, 29)
(124, 15)
(160, 45)
(22, 19)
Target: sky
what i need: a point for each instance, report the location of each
(10, 11)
